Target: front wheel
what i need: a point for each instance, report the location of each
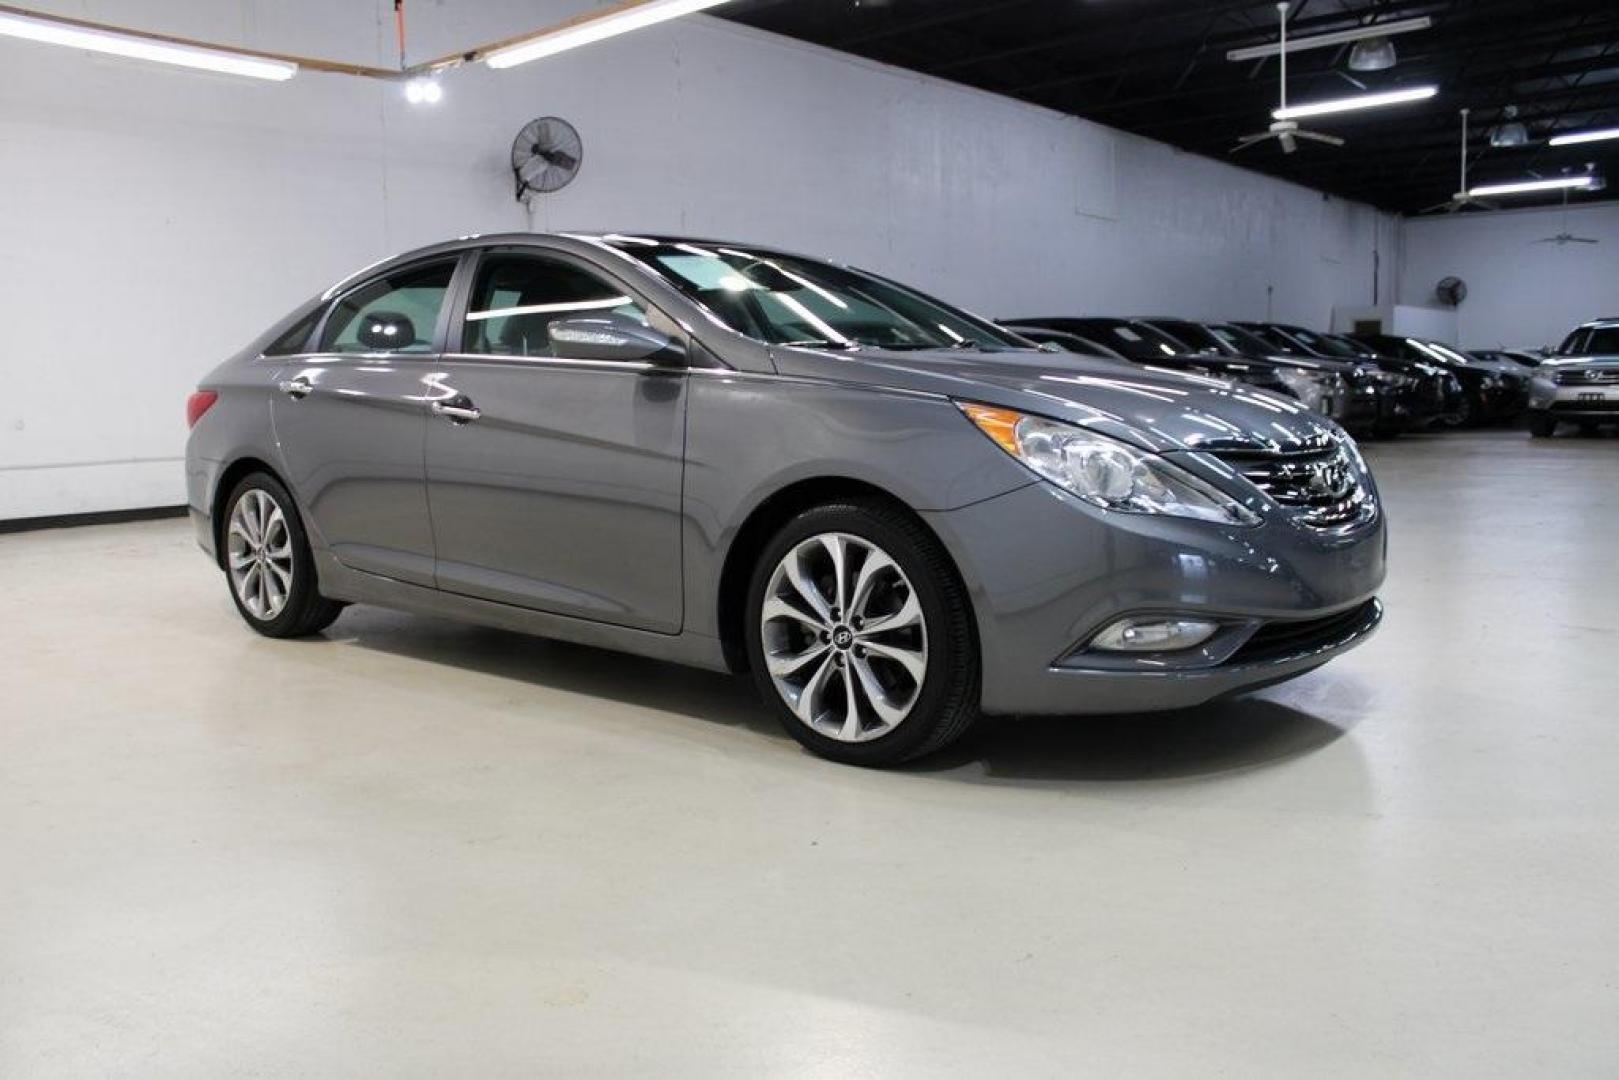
(1541, 426)
(268, 563)
(860, 635)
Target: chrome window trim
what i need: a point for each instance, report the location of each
(563, 361)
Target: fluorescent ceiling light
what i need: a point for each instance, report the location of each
(1336, 37)
(140, 47)
(1359, 101)
(593, 28)
(1584, 136)
(1532, 185)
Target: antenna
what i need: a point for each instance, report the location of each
(1282, 10)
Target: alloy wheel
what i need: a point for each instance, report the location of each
(845, 641)
(259, 554)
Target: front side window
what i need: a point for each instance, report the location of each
(517, 297)
(786, 300)
(396, 313)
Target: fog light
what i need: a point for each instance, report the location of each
(1139, 634)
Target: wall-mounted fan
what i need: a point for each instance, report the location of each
(1451, 290)
(546, 155)
(1286, 132)
(1461, 200)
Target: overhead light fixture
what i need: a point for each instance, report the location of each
(143, 47)
(1510, 133)
(1584, 137)
(1372, 54)
(1358, 101)
(588, 29)
(1522, 186)
(1336, 37)
(424, 91)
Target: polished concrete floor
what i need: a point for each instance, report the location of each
(413, 848)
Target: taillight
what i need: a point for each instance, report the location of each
(197, 404)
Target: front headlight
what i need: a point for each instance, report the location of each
(1105, 472)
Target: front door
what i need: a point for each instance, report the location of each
(351, 422)
(554, 481)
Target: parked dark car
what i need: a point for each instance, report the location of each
(1413, 396)
(894, 514)
(1320, 387)
(1251, 373)
(1524, 358)
(1365, 402)
(1579, 382)
(1491, 392)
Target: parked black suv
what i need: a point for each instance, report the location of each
(1417, 394)
(1491, 392)
(1319, 386)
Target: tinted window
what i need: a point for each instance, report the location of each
(1602, 341)
(296, 339)
(517, 297)
(396, 313)
(1191, 335)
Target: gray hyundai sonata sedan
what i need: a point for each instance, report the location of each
(895, 515)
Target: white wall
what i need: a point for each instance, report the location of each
(1519, 292)
(152, 220)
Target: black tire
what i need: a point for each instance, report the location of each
(947, 702)
(1541, 426)
(304, 611)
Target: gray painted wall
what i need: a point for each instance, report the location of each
(1519, 292)
(152, 220)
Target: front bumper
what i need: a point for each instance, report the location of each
(1046, 572)
(1574, 402)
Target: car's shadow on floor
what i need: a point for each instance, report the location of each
(1221, 737)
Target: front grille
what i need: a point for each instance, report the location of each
(1322, 488)
(1588, 377)
(1296, 637)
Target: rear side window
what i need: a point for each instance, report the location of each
(296, 339)
(396, 313)
(517, 297)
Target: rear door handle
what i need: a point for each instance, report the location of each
(458, 410)
(295, 388)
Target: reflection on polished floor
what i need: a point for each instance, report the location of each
(416, 848)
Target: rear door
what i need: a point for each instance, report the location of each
(555, 481)
(351, 420)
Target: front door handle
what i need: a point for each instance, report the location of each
(295, 388)
(458, 410)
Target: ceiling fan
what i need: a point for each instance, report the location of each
(1286, 132)
(1566, 237)
(1461, 200)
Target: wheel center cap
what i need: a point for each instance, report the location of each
(842, 637)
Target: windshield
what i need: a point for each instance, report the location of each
(1194, 336)
(1244, 342)
(1599, 341)
(786, 300)
(1323, 344)
(1135, 341)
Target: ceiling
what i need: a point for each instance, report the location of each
(1158, 68)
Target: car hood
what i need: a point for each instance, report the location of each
(1154, 408)
(1558, 363)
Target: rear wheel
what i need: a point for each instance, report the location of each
(268, 564)
(860, 635)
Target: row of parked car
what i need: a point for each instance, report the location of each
(1372, 384)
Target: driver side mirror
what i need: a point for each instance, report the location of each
(611, 337)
